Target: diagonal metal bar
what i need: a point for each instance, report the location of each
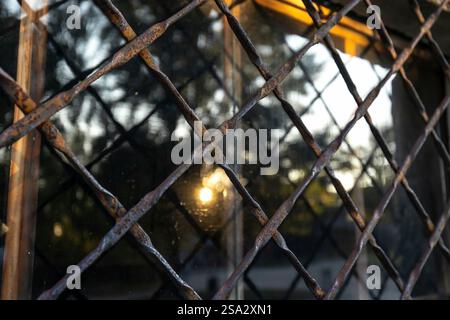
(333, 241)
(262, 218)
(121, 57)
(434, 45)
(204, 236)
(120, 22)
(78, 294)
(423, 214)
(40, 12)
(343, 273)
(309, 139)
(326, 229)
(151, 198)
(318, 94)
(322, 161)
(270, 227)
(384, 35)
(335, 122)
(119, 141)
(432, 242)
(94, 93)
(327, 85)
(109, 201)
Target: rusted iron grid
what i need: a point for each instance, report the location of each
(126, 220)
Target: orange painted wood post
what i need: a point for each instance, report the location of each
(24, 167)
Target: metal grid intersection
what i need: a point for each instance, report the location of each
(126, 220)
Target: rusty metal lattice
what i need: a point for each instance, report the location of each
(127, 219)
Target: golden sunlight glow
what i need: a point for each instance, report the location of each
(212, 185)
(353, 33)
(217, 181)
(57, 229)
(205, 195)
(295, 175)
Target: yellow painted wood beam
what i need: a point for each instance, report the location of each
(353, 33)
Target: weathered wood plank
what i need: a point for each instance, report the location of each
(24, 168)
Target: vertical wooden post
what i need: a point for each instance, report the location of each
(232, 74)
(24, 167)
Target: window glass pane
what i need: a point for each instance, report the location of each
(125, 126)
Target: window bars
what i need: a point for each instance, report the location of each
(38, 115)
